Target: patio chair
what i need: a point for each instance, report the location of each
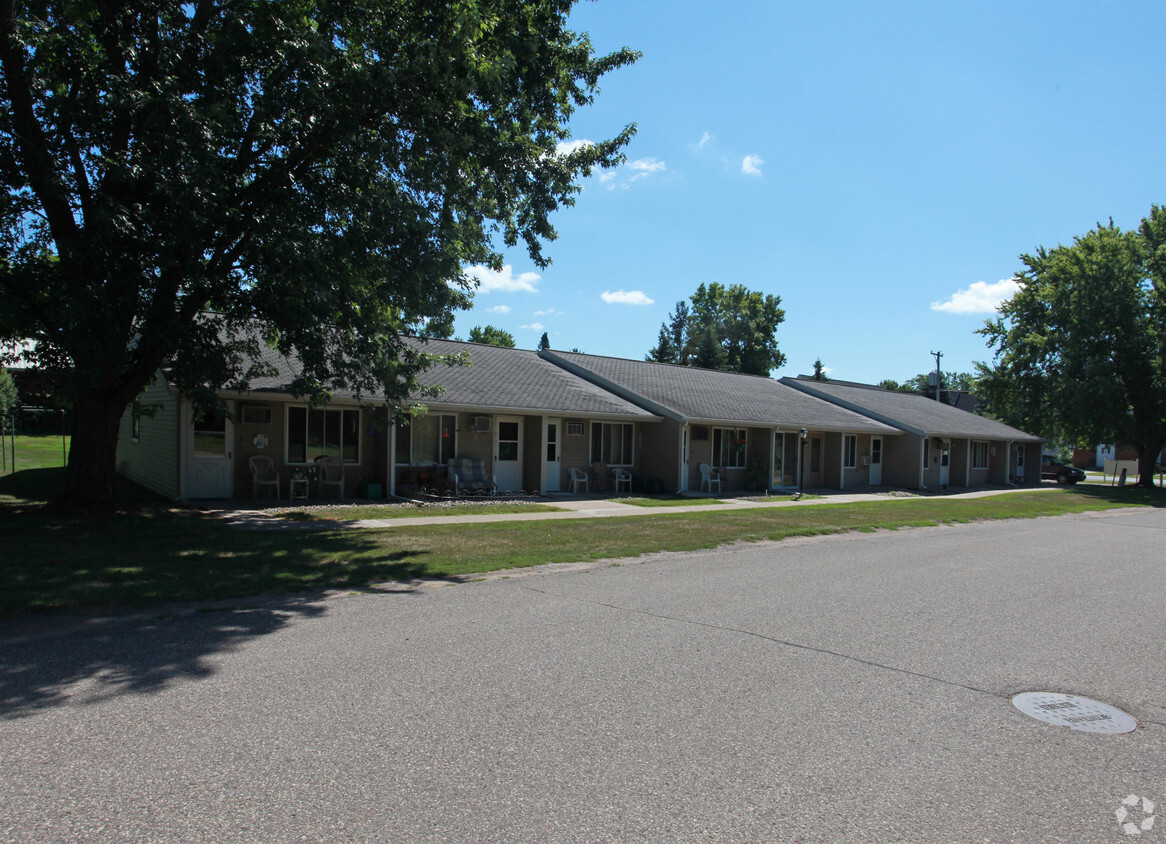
(263, 474)
(623, 478)
(578, 478)
(468, 474)
(331, 474)
(708, 477)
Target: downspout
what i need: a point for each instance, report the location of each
(1008, 467)
(682, 463)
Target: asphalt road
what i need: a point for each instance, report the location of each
(852, 688)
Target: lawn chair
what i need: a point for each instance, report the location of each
(263, 474)
(331, 474)
(578, 478)
(708, 477)
(623, 478)
(468, 474)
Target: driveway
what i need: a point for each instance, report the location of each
(851, 688)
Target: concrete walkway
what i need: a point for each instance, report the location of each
(592, 508)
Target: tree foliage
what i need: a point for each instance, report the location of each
(1080, 349)
(719, 327)
(9, 397)
(544, 342)
(491, 336)
(820, 371)
(187, 182)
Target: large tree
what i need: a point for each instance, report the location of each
(187, 181)
(491, 335)
(1081, 347)
(721, 327)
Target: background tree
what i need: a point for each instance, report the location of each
(491, 336)
(9, 397)
(544, 342)
(1080, 348)
(731, 328)
(187, 182)
(819, 371)
(950, 382)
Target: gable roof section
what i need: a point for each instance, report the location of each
(709, 396)
(911, 412)
(499, 380)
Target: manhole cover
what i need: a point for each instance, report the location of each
(1076, 713)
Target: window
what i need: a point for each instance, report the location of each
(729, 447)
(574, 429)
(318, 432)
(926, 452)
(979, 454)
(210, 434)
(849, 451)
(611, 443)
(427, 439)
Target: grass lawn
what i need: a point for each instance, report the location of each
(34, 453)
(150, 552)
(410, 511)
(667, 501)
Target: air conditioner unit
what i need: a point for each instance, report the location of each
(481, 424)
(864, 460)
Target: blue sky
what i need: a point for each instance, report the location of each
(879, 166)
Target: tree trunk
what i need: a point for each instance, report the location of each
(1147, 461)
(93, 450)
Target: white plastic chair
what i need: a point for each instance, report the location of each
(263, 474)
(332, 474)
(578, 477)
(623, 477)
(708, 477)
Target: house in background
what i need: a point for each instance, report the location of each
(746, 427)
(524, 419)
(941, 445)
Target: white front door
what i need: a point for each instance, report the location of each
(944, 462)
(876, 461)
(554, 455)
(210, 466)
(508, 453)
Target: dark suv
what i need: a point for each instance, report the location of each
(1051, 470)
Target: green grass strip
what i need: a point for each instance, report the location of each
(148, 555)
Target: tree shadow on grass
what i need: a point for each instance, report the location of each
(1134, 496)
(143, 569)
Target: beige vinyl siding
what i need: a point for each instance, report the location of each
(859, 476)
(153, 460)
(533, 453)
(575, 449)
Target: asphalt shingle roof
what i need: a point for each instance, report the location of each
(712, 396)
(912, 411)
(499, 379)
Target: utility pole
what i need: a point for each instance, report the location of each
(938, 375)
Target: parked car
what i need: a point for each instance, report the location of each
(1053, 470)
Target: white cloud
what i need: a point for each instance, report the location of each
(498, 309)
(979, 298)
(534, 326)
(631, 172)
(568, 147)
(704, 141)
(505, 281)
(647, 166)
(548, 312)
(751, 165)
(626, 297)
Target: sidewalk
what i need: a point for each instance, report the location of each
(591, 508)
